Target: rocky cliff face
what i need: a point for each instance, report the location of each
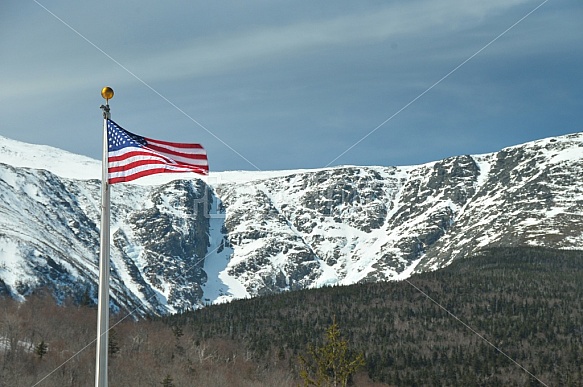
(49, 237)
(182, 244)
(527, 195)
(350, 224)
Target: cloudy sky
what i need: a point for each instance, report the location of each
(267, 85)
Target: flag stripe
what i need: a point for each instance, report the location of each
(185, 158)
(131, 168)
(176, 150)
(128, 165)
(152, 167)
(177, 145)
(135, 154)
(136, 175)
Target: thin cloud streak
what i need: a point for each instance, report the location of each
(223, 54)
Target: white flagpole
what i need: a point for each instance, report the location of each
(103, 301)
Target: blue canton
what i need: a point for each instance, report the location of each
(119, 138)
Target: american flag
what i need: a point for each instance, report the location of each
(131, 156)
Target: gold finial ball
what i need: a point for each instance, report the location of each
(107, 93)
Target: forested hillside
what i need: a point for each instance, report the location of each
(525, 301)
(430, 330)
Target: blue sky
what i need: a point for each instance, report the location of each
(285, 84)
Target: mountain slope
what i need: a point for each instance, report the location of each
(177, 245)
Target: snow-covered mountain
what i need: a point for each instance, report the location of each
(180, 244)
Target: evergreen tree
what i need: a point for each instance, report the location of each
(113, 343)
(332, 363)
(167, 382)
(177, 330)
(86, 299)
(41, 349)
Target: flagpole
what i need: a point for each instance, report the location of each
(103, 298)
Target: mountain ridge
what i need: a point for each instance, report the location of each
(180, 244)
